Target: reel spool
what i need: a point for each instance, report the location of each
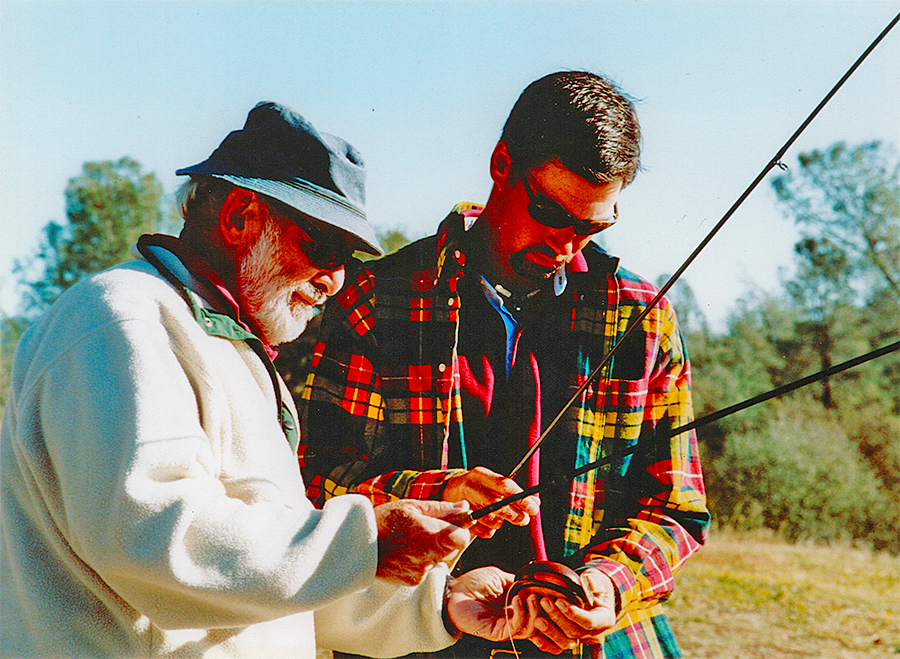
(549, 579)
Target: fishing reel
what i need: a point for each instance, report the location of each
(549, 579)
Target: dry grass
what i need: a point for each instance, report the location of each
(753, 597)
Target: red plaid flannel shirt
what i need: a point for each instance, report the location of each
(381, 415)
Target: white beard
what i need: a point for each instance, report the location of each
(277, 302)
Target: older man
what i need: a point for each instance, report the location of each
(438, 367)
(152, 504)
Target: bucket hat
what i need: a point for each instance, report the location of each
(280, 154)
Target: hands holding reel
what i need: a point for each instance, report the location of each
(565, 608)
(546, 602)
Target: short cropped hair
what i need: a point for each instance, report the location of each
(580, 119)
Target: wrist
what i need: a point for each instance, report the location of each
(449, 476)
(445, 612)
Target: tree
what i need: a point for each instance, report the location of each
(851, 197)
(108, 206)
(846, 200)
(822, 291)
(10, 331)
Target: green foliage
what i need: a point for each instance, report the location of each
(802, 476)
(10, 331)
(850, 196)
(822, 462)
(108, 206)
(391, 240)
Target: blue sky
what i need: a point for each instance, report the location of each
(423, 88)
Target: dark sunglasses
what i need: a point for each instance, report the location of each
(547, 212)
(327, 250)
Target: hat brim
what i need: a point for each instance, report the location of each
(309, 199)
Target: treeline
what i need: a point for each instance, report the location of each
(821, 463)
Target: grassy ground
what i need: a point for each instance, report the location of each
(751, 596)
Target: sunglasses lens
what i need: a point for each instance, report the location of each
(555, 218)
(328, 255)
(590, 228)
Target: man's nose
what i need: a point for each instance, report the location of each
(330, 280)
(563, 242)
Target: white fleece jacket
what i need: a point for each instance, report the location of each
(152, 506)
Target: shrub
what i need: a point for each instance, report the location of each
(803, 477)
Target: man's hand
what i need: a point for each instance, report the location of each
(480, 487)
(477, 605)
(414, 536)
(555, 625)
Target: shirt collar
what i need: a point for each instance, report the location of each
(210, 283)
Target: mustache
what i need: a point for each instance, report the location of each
(544, 250)
(532, 271)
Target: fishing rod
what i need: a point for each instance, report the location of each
(704, 420)
(774, 162)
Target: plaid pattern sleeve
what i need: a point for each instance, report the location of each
(655, 510)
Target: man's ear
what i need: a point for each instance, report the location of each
(241, 219)
(501, 164)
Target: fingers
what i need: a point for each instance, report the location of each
(451, 522)
(539, 626)
(513, 513)
(486, 529)
(530, 505)
(413, 537)
(475, 603)
(481, 487)
(520, 623)
(565, 624)
(436, 509)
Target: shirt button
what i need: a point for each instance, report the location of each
(450, 302)
(208, 322)
(456, 255)
(442, 367)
